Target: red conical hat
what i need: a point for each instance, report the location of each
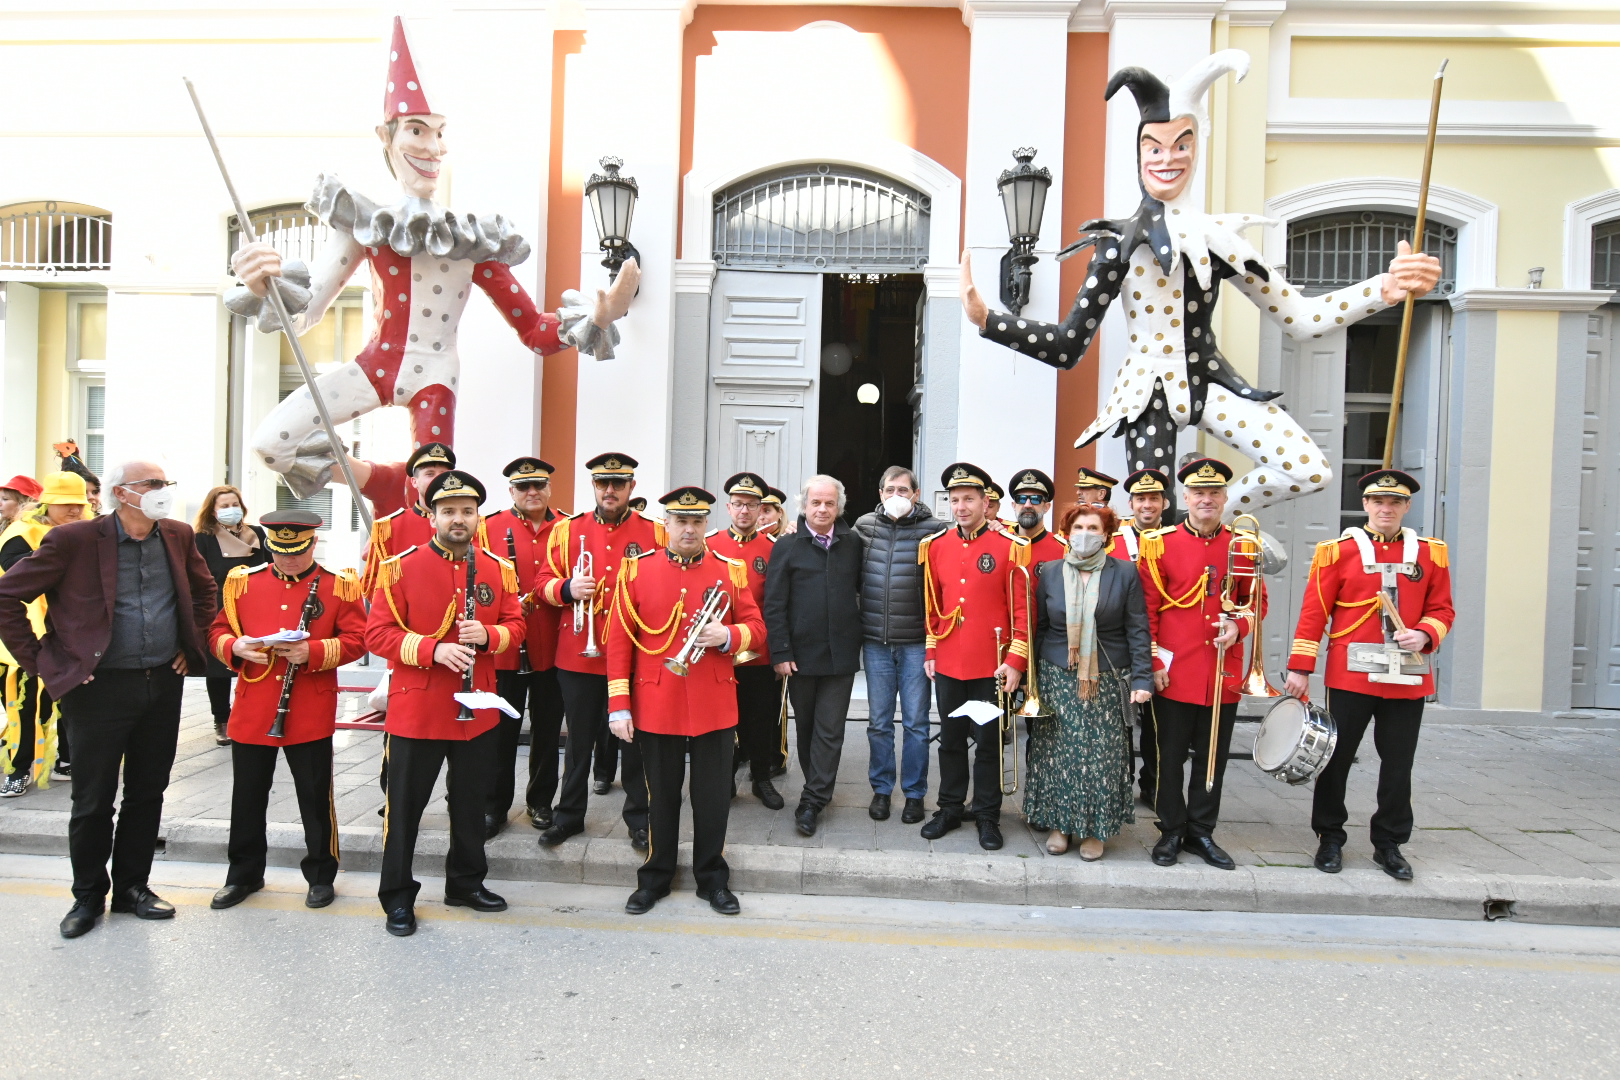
(404, 96)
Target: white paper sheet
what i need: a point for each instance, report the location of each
(284, 637)
(980, 712)
(483, 699)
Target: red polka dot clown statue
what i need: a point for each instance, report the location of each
(1164, 266)
(425, 260)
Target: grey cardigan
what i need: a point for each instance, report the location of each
(1123, 636)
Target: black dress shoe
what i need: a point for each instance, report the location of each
(231, 895)
(493, 824)
(540, 819)
(1393, 862)
(940, 824)
(913, 812)
(80, 919)
(1207, 849)
(989, 835)
(1329, 857)
(805, 820)
(879, 810)
(143, 903)
(319, 896)
(778, 770)
(1164, 852)
(641, 901)
(602, 787)
(766, 792)
(480, 899)
(638, 839)
(402, 922)
(722, 900)
(558, 833)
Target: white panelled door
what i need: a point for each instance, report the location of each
(1595, 667)
(764, 355)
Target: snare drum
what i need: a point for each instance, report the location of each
(1296, 740)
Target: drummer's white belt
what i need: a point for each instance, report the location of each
(1370, 656)
(1129, 533)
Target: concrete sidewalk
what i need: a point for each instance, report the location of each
(1518, 821)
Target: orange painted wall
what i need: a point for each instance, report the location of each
(929, 45)
(560, 382)
(1084, 125)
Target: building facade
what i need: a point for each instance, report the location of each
(810, 177)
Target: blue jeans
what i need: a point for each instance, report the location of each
(891, 668)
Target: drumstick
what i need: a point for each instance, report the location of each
(1389, 609)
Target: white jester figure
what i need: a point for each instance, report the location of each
(1164, 265)
(425, 261)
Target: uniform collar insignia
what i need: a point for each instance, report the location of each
(683, 560)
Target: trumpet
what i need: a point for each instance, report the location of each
(584, 615)
(716, 606)
(1007, 727)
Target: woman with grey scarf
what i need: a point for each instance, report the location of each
(1095, 655)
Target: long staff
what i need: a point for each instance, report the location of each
(1417, 246)
(273, 294)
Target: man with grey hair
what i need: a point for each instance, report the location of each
(812, 622)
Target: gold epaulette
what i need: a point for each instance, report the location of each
(627, 568)
(1327, 553)
(1150, 545)
(482, 541)
(389, 573)
(382, 531)
(738, 569)
(922, 545)
(509, 578)
(660, 533)
(1020, 550)
(235, 585)
(557, 541)
(347, 586)
(1437, 552)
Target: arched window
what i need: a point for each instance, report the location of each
(830, 217)
(290, 228)
(55, 236)
(1336, 250)
(1606, 255)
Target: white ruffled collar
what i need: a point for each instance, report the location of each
(416, 226)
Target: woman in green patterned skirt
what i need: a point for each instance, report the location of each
(1095, 655)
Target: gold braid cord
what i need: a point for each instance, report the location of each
(236, 586)
(931, 605)
(386, 582)
(1187, 599)
(622, 604)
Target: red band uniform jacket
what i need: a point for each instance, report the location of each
(965, 596)
(1182, 578)
(755, 555)
(261, 601)
(530, 541)
(1341, 602)
(419, 599)
(659, 592)
(611, 546)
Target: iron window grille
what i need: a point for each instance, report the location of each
(1606, 255)
(290, 228)
(49, 239)
(1338, 250)
(822, 217)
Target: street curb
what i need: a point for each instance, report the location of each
(516, 855)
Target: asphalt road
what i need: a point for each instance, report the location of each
(565, 985)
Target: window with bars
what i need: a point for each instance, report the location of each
(1606, 255)
(290, 228)
(821, 217)
(319, 503)
(1337, 250)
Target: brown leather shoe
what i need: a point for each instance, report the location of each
(1091, 849)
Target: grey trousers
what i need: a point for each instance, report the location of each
(820, 709)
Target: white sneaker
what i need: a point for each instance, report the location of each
(62, 770)
(16, 784)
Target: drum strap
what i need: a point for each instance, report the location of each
(1129, 534)
(1369, 561)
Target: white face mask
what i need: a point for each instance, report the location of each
(157, 504)
(1087, 545)
(897, 506)
(231, 515)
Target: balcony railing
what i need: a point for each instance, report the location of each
(53, 240)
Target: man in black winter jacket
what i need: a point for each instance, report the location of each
(894, 640)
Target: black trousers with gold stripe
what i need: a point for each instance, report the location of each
(253, 770)
(663, 760)
(413, 770)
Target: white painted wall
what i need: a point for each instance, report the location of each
(19, 378)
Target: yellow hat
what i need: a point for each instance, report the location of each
(62, 488)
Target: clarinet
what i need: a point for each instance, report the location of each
(523, 646)
(278, 727)
(469, 613)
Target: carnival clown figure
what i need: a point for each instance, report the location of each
(425, 262)
(1164, 266)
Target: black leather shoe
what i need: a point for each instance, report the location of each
(1207, 849)
(540, 819)
(402, 922)
(940, 824)
(722, 900)
(879, 810)
(319, 896)
(912, 813)
(1147, 795)
(602, 787)
(766, 792)
(220, 738)
(143, 903)
(779, 770)
(641, 901)
(80, 919)
(1329, 857)
(480, 899)
(493, 824)
(558, 833)
(1164, 852)
(1393, 862)
(231, 895)
(989, 835)
(638, 839)
(805, 820)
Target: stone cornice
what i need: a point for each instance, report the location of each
(1530, 300)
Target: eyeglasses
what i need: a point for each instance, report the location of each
(149, 485)
(1029, 499)
(614, 482)
(530, 485)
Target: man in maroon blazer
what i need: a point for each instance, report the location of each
(129, 600)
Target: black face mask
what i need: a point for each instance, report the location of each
(1028, 518)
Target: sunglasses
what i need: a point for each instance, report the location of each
(149, 485)
(1029, 499)
(614, 482)
(530, 485)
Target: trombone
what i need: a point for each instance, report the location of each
(1243, 555)
(584, 610)
(1032, 707)
(1007, 726)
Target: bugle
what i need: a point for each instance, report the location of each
(716, 606)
